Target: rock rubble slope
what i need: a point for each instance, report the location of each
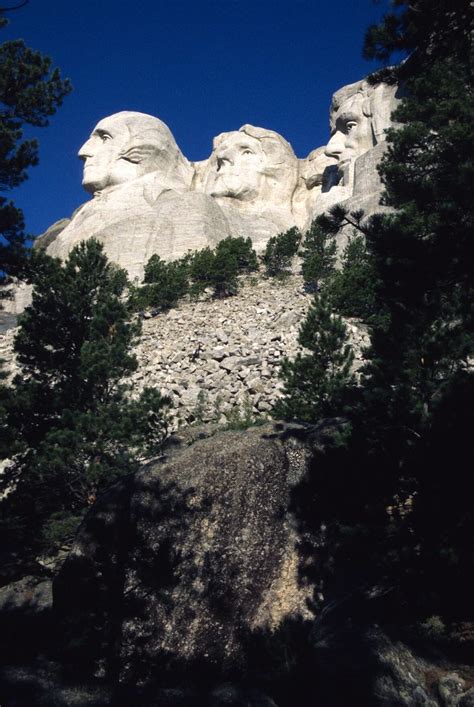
(217, 358)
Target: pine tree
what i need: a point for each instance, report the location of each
(351, 290)
(164, 284)
(76, 428)
(406, 520)
(423, 253)
(219, 268)
(317, 383)
(319, 252)
(30, 92)
(280, 251)
(242, 250)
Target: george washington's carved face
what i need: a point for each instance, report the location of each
(126, 146)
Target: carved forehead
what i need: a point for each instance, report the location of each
(134, 125)
(235, 138)
(372, 101)
(275, 148)
(351, 108)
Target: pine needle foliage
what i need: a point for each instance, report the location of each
(352, 289)
(280, 251)
(318, 253)
(219, 268)
(316, 383)
(165, 283)
(393, 508)
(30, 93)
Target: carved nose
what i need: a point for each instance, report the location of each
(85, 151)
(335, 146)
(221, 161)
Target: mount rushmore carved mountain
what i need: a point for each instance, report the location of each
(148, 198)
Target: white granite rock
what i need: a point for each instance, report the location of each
(142, 203)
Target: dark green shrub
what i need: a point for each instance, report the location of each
(317, 382)
(219, 268)
(241, 249)
(72, 424)
(224, 272)
(201, 266)
(165, 284)
(279, 252)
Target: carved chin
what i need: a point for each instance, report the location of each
(93, 182)
(90, 186)
(242, 192)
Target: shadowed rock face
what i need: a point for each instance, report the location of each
(176, 566)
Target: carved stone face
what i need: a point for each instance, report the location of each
(250, 166)
(318, 168)
(239, 168)
(352, 132)
(126, 146)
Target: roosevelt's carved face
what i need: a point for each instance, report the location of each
(352, 132)
(126, 146)
(239, 166)
(318, 168)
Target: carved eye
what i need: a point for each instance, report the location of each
(350, 124)
(105, 136)
(247, 152)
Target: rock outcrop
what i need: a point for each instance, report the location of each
(175, 568)
(141, 200)
(147, 197)
(361, 636)
(252, 174)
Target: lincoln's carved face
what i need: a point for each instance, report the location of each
(239, 168)
(126, 146)
(352, 131)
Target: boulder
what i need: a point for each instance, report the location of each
(176, 567)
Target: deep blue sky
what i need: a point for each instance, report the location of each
(202, 66)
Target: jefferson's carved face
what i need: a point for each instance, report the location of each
(239, 168)
(352, 132)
